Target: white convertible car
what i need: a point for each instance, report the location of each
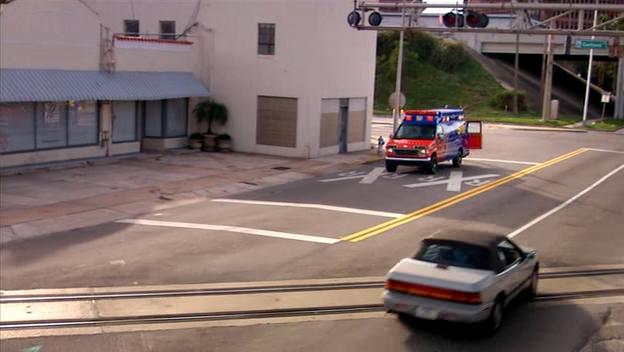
(463, 276)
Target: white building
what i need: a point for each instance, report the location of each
(296, 79)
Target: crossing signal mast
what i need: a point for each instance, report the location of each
(470, 17)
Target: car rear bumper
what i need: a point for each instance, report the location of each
(432, 309)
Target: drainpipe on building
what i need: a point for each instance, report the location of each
(106, 126)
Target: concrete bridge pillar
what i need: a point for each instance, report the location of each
(619, 90)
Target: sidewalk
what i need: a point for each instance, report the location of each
(44, 201)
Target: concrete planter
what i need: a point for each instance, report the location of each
(195, 143)
(224, 145)
(210, 142)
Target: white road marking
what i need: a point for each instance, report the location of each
(118, 262)
(373, 175)
(435, 183)
(564, 204)
(606, 150)
(313, 206)
(502, 161)
(455, 181)
(352, 175)
(256, 232)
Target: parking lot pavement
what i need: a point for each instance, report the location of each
(64, 197)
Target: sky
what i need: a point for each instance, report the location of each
(441, 2)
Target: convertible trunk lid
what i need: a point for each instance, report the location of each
(435, 275)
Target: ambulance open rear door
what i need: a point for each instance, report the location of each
(475, 134)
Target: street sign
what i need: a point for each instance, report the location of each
(591, 44)
(392, 100)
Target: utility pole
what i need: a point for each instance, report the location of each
(397, 87)
(516, 67)
(548, 76)
(589, 71)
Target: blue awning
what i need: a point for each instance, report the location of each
(25, 85)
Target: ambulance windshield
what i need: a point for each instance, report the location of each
(415, 132)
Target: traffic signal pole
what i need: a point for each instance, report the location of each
(397, 86)
(476, 22)
(548, 77)
(516, 67)
(589, 71)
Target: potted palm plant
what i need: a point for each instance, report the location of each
(196, 140)
(224, 142)
(211, 112)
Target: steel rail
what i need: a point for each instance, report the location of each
(190, 292)
(254, 290)
(175, 318)
(257, 314)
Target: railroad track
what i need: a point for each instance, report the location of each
(252, 290)
(250, 313)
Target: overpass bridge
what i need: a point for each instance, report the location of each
(500, 44)
(497, 43)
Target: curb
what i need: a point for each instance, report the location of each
(535, 128)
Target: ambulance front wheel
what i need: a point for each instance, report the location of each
(457, 160)
(432, 167)
(390, 166)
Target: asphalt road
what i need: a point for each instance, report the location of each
(586, 232)
(122, 254)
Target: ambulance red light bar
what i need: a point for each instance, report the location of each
(421, 112)
(433, 292)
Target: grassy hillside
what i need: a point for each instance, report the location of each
(435, 73)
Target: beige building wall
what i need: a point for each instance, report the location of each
(51, 34)
(149, 13)
(317, 56)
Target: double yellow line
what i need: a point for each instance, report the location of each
(383, 227)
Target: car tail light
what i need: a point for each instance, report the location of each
(433, 292)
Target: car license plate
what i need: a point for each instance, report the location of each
(426, 313)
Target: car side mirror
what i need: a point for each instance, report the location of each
(391, 135)
(529, 255)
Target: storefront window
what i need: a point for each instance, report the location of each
(83, 124)
(176, 117)
(124, 122)
(51, 125)
(166, 118)
(17, 127)
(153, 118)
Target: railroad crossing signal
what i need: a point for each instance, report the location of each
(354, 18)
(472, 18)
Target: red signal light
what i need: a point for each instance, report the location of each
(453, 19)
(477, 20)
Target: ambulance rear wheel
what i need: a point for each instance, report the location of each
(457, 160)
(432, 167)
(391, 167)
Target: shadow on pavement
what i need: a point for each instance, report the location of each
(527, 327)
